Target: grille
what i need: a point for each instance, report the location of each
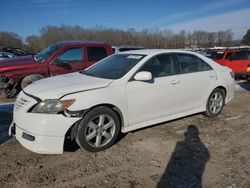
(20, 103)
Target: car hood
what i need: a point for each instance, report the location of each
(17, 61)
(58, 86)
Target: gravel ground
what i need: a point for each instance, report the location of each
(195, 151)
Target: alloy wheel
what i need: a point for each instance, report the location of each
(100, 130)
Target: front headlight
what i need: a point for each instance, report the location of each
(52, 106)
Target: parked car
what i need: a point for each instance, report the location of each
(5, 55)
(237, 60)
(60, 58)
(123, 48)
(16, 51)
(121, 93)
(219, 55)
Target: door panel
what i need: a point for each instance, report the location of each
(195, 88)
(152, 100)
(149, 100)
(238, 66)
(196, 81)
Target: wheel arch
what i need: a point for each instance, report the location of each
(223, 89)
(71, 133)
(113, 107)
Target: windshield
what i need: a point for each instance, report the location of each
(114, 67)
(47, 52)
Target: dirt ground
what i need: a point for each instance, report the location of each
(195, 151)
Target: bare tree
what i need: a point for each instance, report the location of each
(149, 38)
(34, 43)
(224, 38)
(9, 39)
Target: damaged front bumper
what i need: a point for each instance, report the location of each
(8, 86)
(3, 82)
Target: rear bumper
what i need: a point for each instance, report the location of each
(230, 92)
(37, 143)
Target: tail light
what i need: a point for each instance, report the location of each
(232, 74)
(248, 68)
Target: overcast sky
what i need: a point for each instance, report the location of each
(27, 17)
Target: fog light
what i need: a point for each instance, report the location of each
(28, 136)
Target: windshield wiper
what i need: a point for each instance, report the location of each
(83, 71)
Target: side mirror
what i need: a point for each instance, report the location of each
(143, 76)
(59, 63)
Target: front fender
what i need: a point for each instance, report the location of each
(113, 96)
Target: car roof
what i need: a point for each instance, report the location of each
(224, 50)
(127, 46)
(79, 42)
(156, 51)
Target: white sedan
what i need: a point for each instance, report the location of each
(121, 93)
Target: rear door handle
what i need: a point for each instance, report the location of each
(212, 75)
(175, 82)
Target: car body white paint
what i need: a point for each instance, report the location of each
(140, 103)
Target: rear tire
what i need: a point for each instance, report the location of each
(98, 130)
(215, 103)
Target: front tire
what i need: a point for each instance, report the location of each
(98, 130)
(30, 79)
(215, 103)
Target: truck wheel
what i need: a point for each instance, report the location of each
(30, 79)
(215, 103)
(9, 93)
(98, 130)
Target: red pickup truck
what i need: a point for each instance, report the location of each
(237, 60)
(59, 58)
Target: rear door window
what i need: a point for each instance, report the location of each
(190, 63)
(96, 53)
(241, 55)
